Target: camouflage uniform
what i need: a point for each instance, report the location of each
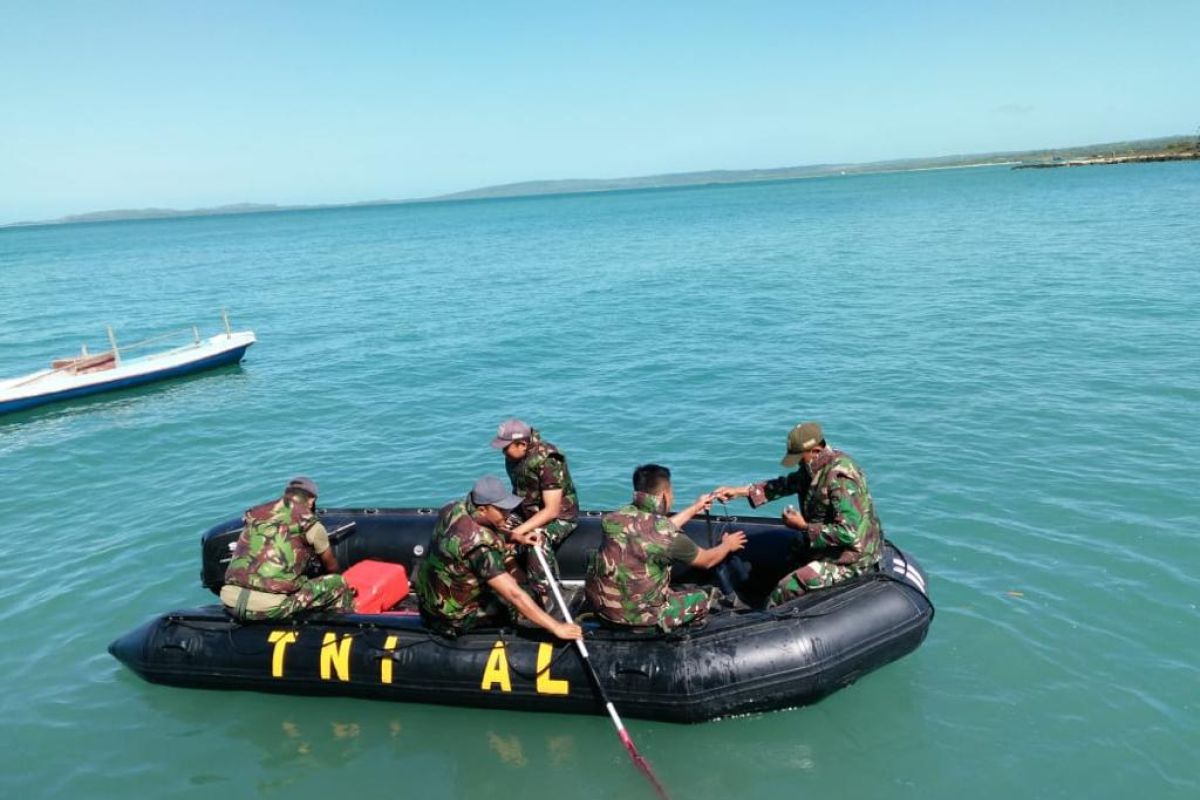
(266, 578)
(542, 468)
(452, 581)
(629, 581)
(835, 501)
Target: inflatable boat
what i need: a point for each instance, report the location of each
(736, 662)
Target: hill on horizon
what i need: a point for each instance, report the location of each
(667, 180)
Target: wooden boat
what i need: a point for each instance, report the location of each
(91, 373)
(738, 662)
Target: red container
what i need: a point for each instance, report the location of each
(380, 585)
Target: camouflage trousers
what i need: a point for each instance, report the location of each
(553, 534)
(492, 611)
(326, 592)
(682, 608)
(813, 575)
(678, 609)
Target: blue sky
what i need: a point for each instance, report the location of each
(135, 104)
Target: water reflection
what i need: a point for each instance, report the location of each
(283, 739)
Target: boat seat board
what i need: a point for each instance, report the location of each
(83, 364)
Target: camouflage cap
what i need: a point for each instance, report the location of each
(801, 439)
(303, 483)
(490, 491)
(511, 430)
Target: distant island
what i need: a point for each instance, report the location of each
(1168, 148)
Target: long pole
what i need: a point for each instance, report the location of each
(638, 760)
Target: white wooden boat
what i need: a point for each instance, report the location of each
(91, 373)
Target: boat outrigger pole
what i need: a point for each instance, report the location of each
(112, 339)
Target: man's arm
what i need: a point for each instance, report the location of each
(764, 491)
(507, 587)
(703, 503)
(318, 537)
(329, 561)
(709, 557)
(551, 505)
(849, 526)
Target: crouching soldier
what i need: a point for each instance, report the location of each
(629, 582)
(267, 580)
(464, 582)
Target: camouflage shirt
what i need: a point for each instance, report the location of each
(463, 556)
(837, 504)
(629, 581)
(542, 468)
(274, 548)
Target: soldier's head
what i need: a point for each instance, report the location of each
(654, 479)
(493, 501)
(805, 442)
(301, 490)
(513, 438)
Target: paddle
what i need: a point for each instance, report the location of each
(638, 760)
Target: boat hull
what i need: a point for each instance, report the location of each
(736, 663)
(119, 381)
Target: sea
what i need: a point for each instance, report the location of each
(1012, 356)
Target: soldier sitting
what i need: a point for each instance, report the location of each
(266, 580)
(549, 505)
(836, 518)
(464, 580)
(629, 582)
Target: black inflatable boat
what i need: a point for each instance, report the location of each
(735, 663)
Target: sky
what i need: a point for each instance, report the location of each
(193, 104)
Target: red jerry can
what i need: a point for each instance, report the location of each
(380, 585)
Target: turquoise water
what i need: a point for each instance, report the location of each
(1012, 356)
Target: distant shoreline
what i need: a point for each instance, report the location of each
(1095, 161)
(1171, 148)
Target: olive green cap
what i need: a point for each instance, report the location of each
(802, 438)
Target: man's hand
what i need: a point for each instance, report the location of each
(704, 502)
(568, 631)
(724, 493)
(530, 538)
(733, 541)
(794, 519)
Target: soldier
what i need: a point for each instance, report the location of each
(549, 505)
(629, 581)
(467, 551)
(836, 516)
(266, 579)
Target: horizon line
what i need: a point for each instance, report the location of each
(598, 185)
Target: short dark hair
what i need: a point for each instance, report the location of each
(651, 478)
